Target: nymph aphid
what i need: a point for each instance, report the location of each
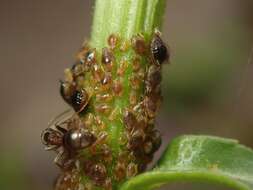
(107, 58)
(66, 141)
(138, 43)
(98, 173)
(112, 41)
(158, 49)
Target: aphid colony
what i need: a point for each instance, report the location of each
(115, 95)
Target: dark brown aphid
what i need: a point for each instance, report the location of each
(67, 141)
(148, 147)
(154, 78)
(139, 45)
(150, 106)
(129, 120)
(136, 140)
(159, 50)
(79, 100)
(156, 139)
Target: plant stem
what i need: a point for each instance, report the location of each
(126, 18)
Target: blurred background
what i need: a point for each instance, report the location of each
(207, 89)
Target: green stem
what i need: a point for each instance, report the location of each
(125, 18)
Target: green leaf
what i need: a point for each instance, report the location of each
(200, 159)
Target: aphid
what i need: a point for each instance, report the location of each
(129, 120)
(68, 180)
(122, 68)
(79, 81)
(136, 63)
(106, 153)
(68, 75)
(133, 97)
(97, 72)
(108, 184)
(120, 171)
(98, 173)
(107, 79)
(124, 46)
(148, 147)
(89, 57)
(135, 81)
(66, 90)
(113, 114)
(81, 55)
(136, 140)
(117, 88)
(112, 41)
(104, 97)
(107, 58)
(158, 49)
(103, 108)
(138, 44)
(99, 141)
(132, 170)
(150, 106)
(154, 78)
(79, 100)
(67, 142)
(156, 139)
(89, 119)
(77, 70)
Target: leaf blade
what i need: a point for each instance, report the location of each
(200, 159)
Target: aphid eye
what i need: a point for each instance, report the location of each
(79, 100)
(159, 50)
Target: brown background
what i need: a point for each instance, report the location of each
(207, 89)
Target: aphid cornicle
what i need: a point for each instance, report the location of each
(159, 50)
(67, 142)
